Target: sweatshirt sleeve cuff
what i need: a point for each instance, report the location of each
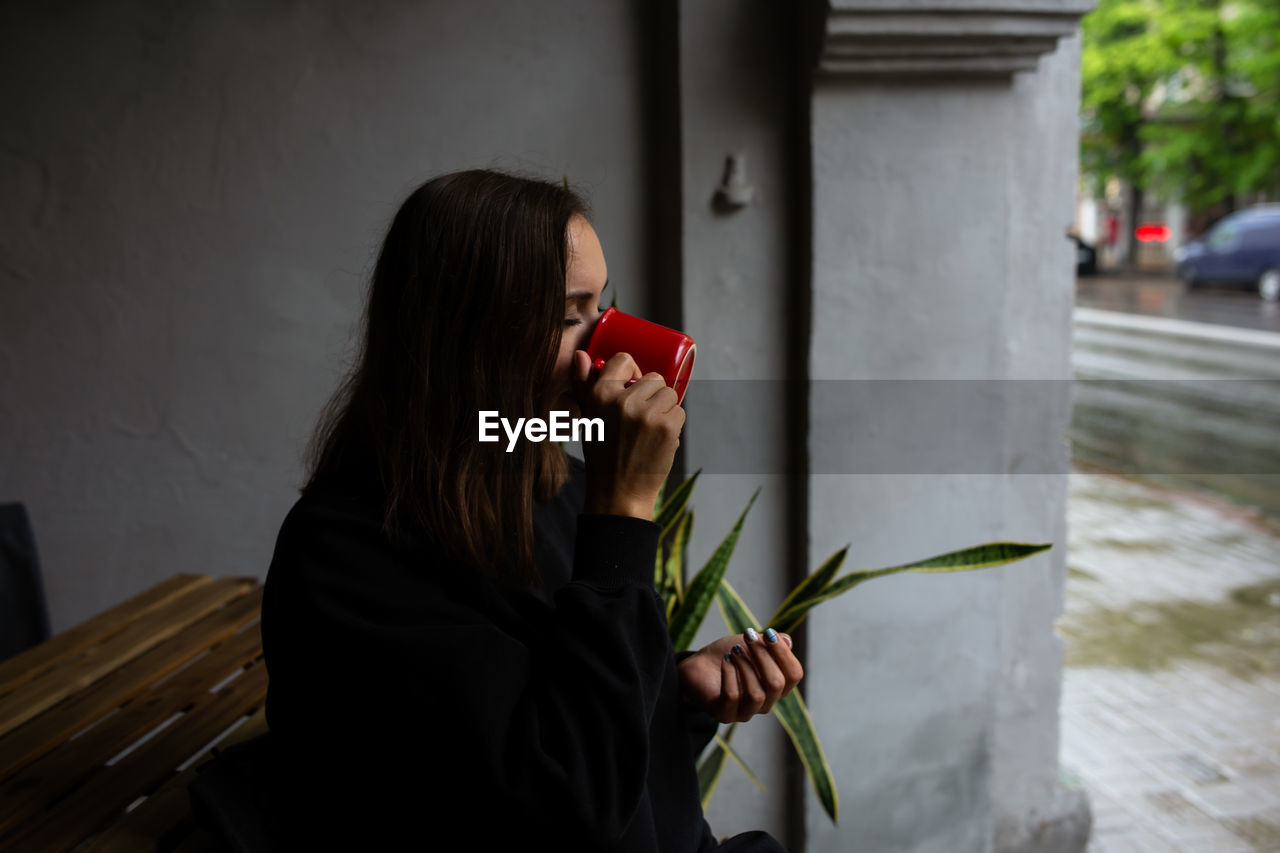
(700, 726)
(613, 550)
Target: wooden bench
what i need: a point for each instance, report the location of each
(102, 726)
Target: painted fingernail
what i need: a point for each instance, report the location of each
(728, 657)
(737, 650)
(752, 636)
(771, 635)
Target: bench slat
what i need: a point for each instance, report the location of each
(142, 633)
(38, 736)
(48, 778)
(25, 666)
(91, 807)
(165, 816)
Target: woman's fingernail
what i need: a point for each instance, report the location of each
(737, 650)
(728, 657)
(771, 635)
(752, 636)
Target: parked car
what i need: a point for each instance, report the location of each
(1086, 257)
(1242, 248)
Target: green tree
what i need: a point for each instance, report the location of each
(1181, 97)
(1125, 57)
(1253, 32)
(1214, 138)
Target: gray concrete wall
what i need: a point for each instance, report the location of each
(1033, 811)
(735, 98)
(940, 207)
(193, 198)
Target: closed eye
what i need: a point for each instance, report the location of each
(579, 295)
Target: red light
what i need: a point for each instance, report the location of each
(1152, 232)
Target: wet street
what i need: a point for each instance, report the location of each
(1161, 295)
(1171, 692)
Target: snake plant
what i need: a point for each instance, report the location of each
(688, 605)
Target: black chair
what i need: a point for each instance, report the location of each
(24, 616)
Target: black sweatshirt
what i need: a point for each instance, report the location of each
(416, 704)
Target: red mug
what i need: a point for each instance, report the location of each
(656, 349)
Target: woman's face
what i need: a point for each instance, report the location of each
(585, 280)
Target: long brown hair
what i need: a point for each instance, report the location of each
(464, 312)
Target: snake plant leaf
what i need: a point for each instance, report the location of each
(712, 765)
(790, 711)
(675, 560)
(702, 589)
(669, 579)
(794, 716)
(813, 585)
(963, 560)
(672, 507)
(723, 744)
(734, 610)
(977, 557)
(684, 545)
(662, 583)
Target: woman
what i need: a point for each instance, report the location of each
(464, 645)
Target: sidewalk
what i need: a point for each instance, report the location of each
(1171, 692)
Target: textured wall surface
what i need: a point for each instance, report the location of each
(735, 67)
(193, 198)
(939, 254)
(1033, 812)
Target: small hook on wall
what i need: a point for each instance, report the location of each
(734, 191)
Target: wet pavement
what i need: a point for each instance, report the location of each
(1171, 690)
(1161, 295)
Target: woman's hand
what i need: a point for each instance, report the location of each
(642, 424)
(741, 675)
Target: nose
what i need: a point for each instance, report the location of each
(591, 328)
(588, 334)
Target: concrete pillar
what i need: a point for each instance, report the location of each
(943, 184)
(738, 295)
